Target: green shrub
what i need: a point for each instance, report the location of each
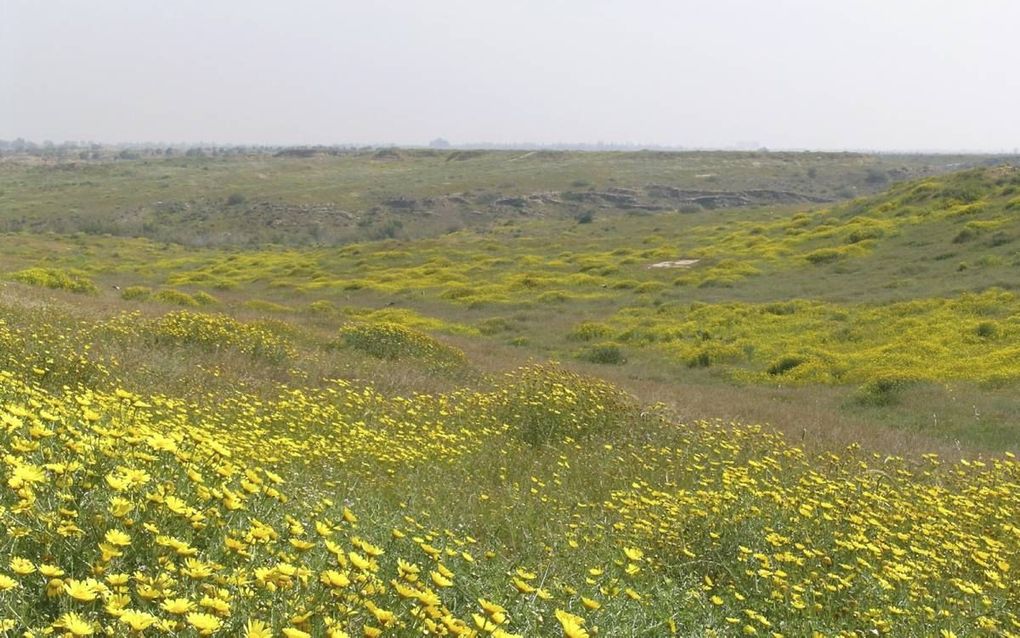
(605, 353)
(494, 325)
(215, 332)
(876, 177)
(261, 305)
(56, 278)
(139, 293)
(176, 297)
(322, 307)
(588, 331)
(387, 340)
(862, 234)
(987, 330)
(717, 282)
(650, 287)
(457, 292)
(553, 296)
(823, 256)
(545, 404)
(880, 392)
(781, 308)
(999, 239)
(205, 299)
(701, 359)
(784, 365)
(965, 235)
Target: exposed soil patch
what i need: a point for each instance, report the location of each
(676, 263)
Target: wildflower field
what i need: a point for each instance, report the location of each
(374, 439)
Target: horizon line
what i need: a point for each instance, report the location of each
(498, 146)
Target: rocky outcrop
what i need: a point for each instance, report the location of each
(730, 199)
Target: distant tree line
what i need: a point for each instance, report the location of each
(87, 150)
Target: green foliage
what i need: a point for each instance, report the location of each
(409, 319)
(545, 404)
(607, 353)
(889, 302)
(338, 199)
(175, 297)
(57, 278)
(48, 352)
(784, 365)
(218, 333)
(251, 445)
(838, 343)
(495, 325)
(880, 392)
(987, 330)
(136, 293)
(700, 359)
(876, 177)
(322, 307)
(863, 234)
(824, 255)
(203, 298)
(649, 287)
(781, 308)
(999, 239)
(553, 296)
(386, 340)
(965, 235)
(588, 331)
(262, 305)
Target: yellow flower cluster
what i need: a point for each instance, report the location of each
(388, 340)
(885, 543)
(150, 514)
(212, 331)
(547, 504)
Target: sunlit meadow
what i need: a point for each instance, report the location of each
(284, 441)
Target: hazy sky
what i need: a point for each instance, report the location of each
(825, 74)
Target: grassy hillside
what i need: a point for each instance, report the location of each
(899, 299)
(543, 503)
(324, 199)
(784, 419)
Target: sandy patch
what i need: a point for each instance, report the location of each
(678, 263)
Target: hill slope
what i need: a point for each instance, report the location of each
(888, 298)
(357, 440)
(325, 199)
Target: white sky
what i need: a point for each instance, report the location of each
(822, 74)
